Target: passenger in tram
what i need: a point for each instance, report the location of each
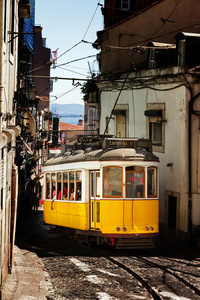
(132, 187)
(65, 196)
(78, 197)
(60, 195)
(54, 193)
(150, 190)
(72, 195)
(140, 188)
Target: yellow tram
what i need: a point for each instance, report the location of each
(104, 190)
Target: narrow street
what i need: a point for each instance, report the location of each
(79, 272)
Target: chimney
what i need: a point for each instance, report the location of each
(80, 122)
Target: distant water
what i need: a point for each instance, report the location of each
(70, 120)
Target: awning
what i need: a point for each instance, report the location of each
(9, 134)
(3, 140)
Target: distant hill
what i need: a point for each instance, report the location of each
(67, 109)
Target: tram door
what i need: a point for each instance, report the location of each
(95, 200)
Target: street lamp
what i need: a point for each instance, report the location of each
(31, 92)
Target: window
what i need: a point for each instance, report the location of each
(47, 186)
(112, 182)
(65, 186)
(59, 189)
(53, 186)
(125, 4)
(78, 185)
(155, 114)
(135, 182)
(71, 186)
(155, 131)
(98, 182)
(95, 183)
(152, 182)
(92, 184)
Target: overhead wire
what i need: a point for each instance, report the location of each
(64, 93)
(75, 60)
(47, 63)
(121, 89)
(72, 71)
(166, 18)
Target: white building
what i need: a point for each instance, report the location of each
(159, 109)
(8, 132)
(149, 87)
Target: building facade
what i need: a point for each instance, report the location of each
(149, 88)
(24, 119)
(8, 133)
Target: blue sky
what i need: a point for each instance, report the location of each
(66, 23)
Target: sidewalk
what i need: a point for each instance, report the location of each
(28, 280)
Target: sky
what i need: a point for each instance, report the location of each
(65, 24)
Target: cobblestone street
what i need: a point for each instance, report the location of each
(75, 271)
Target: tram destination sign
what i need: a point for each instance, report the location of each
(119, 143)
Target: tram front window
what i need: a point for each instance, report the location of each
(135, 182)
(112, 178)
(152, 182)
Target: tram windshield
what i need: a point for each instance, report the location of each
(112, 178)
(135, 182)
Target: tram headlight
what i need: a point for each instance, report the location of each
(151, 228)
(124, 229)
(118, 229)
(147, 228)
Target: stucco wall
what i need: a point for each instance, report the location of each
(172, 179)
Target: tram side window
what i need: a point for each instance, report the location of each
(48, 186)
(53, 186)
(152, 182)
(59, 190)
(135, 187)
(98, 184)
(112, 181)
(65, 186)
(92, 183)
(78, 185)
(71, 186)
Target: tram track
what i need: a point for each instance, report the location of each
(174, 272)
(161, 282)
(144, 283)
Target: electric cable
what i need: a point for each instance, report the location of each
(166, 19)
(75, 60)
(64, 94)
(72, 71)
(121, 89)
(91, 21)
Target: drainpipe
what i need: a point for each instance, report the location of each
(1, 62)
(191, 111)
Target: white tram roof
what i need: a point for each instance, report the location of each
(120, 154)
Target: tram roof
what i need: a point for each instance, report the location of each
(103, 154)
